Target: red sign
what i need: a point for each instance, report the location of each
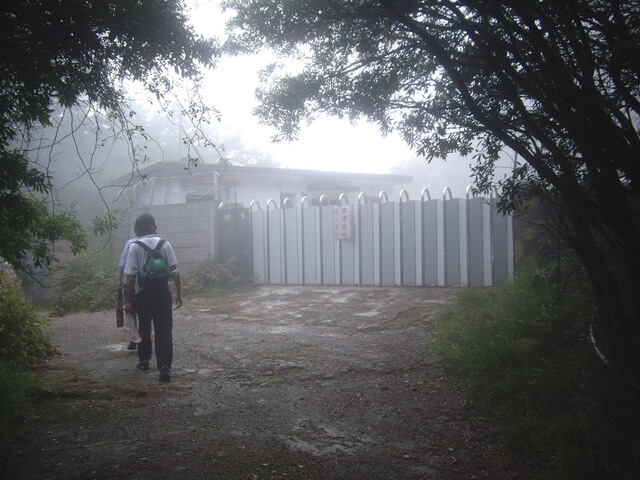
(341, 223)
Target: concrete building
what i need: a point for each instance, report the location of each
(186, 201)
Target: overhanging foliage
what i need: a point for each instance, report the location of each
(67, 54)
(554, 82)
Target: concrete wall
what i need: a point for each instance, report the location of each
(189, 227)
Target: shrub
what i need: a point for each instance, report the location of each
(215, 277)
(89, 282)
(524, 354)
(23, 340)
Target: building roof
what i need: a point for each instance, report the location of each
(320, 178)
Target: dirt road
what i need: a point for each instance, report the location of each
(283, 383)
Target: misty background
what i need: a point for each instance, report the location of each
(84, 152)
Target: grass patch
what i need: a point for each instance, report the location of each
(524, 355)
(222, 291)
(18, 386)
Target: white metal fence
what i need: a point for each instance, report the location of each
(448, 241)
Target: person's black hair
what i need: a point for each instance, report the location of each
(144, 224)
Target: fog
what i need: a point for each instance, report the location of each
(85, 151)
(85, 158)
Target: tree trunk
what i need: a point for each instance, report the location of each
(615, 285)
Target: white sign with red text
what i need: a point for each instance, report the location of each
(341, 223)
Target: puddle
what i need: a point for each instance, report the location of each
(116, 347)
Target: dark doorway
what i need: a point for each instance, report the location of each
(234, 236)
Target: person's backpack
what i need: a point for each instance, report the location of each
(155, 274)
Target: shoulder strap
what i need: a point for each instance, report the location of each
(158, 247)
(155, 252)
(144, 245)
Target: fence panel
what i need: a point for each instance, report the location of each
(291, 235)
(348, 253)
(501, 243)
(410, 218)
(368, 228)
(311, 245)
(455, 241)
(259, 246)
(328, 246)
(476, 237)
(275, 246)
(430, 244)
(426, 242)
(388, 222)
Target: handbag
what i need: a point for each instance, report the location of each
(130, 331)
(119, 310)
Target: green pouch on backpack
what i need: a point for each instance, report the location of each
(155, 274)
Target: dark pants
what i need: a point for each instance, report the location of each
(154, 306)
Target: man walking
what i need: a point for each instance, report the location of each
(153, 306)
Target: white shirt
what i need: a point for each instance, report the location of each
(123, 259)
(137, 256)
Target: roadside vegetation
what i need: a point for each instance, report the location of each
(524, 354)
(22, 342)
(89, 282)
(215, 278)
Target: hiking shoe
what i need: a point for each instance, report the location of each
(164, 374)
(132, 346)
(144, 366)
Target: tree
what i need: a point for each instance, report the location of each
(555, 82)
(71, 54)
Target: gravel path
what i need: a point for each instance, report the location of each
(280, 383)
